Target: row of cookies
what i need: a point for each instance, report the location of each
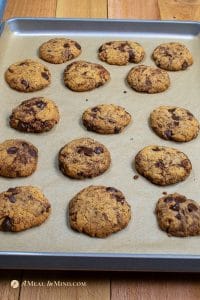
(97, 211)
(169, 56)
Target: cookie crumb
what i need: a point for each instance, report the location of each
(124, 92)
(86, 100)
(135, 177)
(131, 139)
(164, 193)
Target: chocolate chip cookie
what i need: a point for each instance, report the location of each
(35, 115)
(59, 50)
(172, 56)
(174, 123)
(121, 52)
(84, 158)
(106, 118)
(18, 158)
(99, 211)
(163, 165)
(81, 76)
(28, 76)
(178, 216)
(23, 207)
(148, 79)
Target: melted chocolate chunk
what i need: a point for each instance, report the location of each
(175, 117)
(45, 75)
(66, 45)
(41, 104)
(32, 152)
(7, 224)
(178, 216)
(117, 130)
(160, 164)
(85, 150)
(156, 149)
(77, 46)
(120, 198)
(169, 199)
(98, 150)
(25, 83)
(175, 207)
(184, 65)
(191, 207)
(13, 190)
(11, 198)
(95, 109)
(111, 189)
(12, 150)
(171, 110)
(168, 134)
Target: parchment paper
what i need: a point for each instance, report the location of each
(142, 234)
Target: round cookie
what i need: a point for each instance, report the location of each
(28, 76)
(99, 211)
(23, 207)
(163, 165)
(148, 79)
(172, 56)
(84, 158)
(35, 115)
(121, 52)
(81, 76)
(178, 216)
(18, 158)
(174, 123)
(59, 50)
(106, 118)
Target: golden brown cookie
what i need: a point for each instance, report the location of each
(37, 114)
(172, 56)
(106, 118)
(99, 211)
(174, 123)
(59, 50)
(148, 79)
(163, 165)
(28, 76)
(18, 158)
(23, 207)
(178, 216)
(121, 52)
(81, 76)
(84, 158)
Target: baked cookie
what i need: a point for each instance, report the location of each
(172, 56)
(18, 158)
(84, 158)
(121, 52)
(35, 115)
(99, 211)
(106, 118)
(23, 207)
(28, 76)
(59, 50)
(163, 165)
(174, 123)
(178, 216)
(148, 79)
(81, 76)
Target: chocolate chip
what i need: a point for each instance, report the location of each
(120, 198)
(98, 150)
(175, 207)
(10, 70)
(66, 45)
(168, 134)
(191, 207)
(77, 46)
(160, 164)
(184, 163)
(179, 199)
(156, 149)
(13, 190)
(117, 130)
(169, 199)
(6, 224)
(12, 150)
(45, 75)
(25, 83)
(95, 109)
(100, 49)
(176, 123)
(32, 152)
(175, 117)
(131, 55)
(85, 150)
(41, 104)
(11, 198)
(171, 110)
(178, 216)
(111, 189)
(184, 65)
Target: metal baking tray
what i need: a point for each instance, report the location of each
(142, 246)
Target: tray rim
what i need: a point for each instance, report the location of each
(99, 261)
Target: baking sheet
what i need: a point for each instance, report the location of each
(142, 236)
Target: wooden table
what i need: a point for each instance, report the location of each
(101, 286)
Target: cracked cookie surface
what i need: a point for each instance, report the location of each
(121, 52)
(23, 207)
(37, 115)
(99, 211)
(178, 216)
(163, 165)
(106, 118)
(59, 50)
(172, 56)
(84, 158)
(148, 79)
(83, 76)
(28, 76)
(18, 158)
(174, 123)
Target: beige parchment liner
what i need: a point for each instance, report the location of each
(142, 234)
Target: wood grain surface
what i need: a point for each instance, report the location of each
(101, 286)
